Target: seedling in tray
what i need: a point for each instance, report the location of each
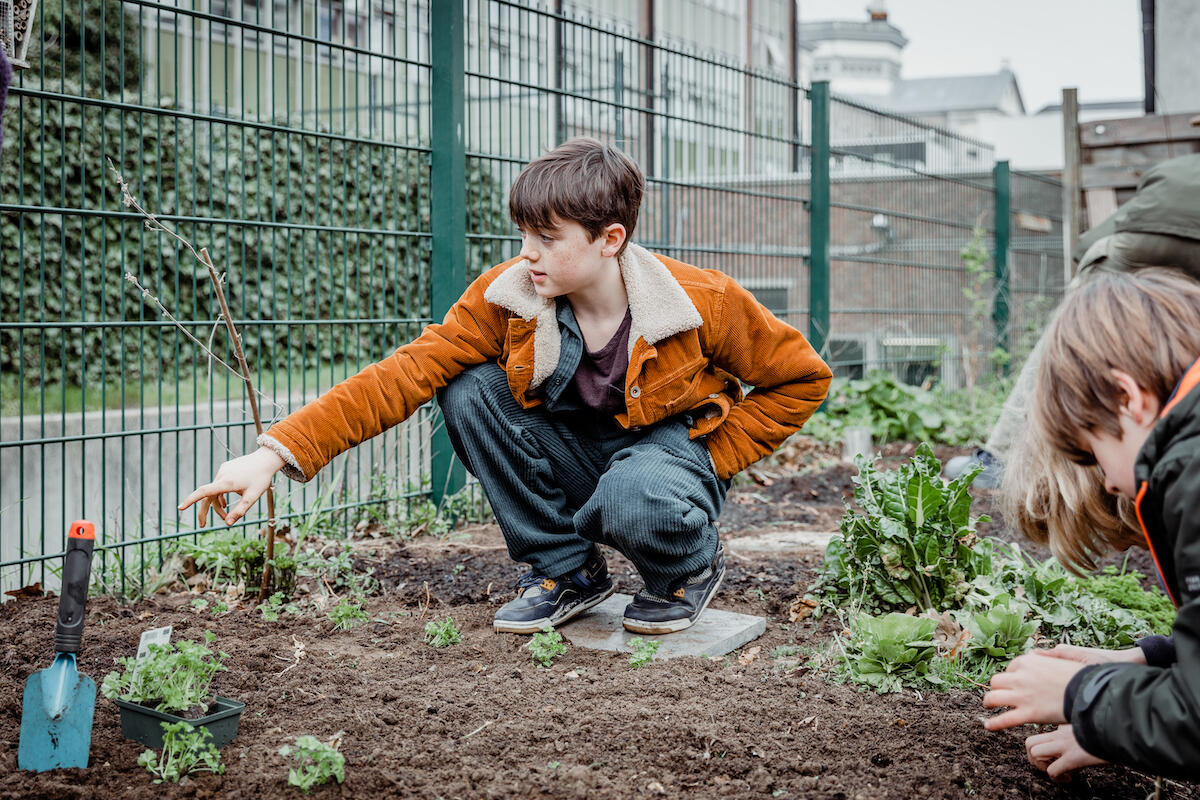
(172, 677)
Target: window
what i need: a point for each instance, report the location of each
(913, 359)
(848, 357)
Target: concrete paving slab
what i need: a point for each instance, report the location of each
(717, 633)
(781, 540)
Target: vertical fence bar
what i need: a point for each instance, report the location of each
(818, 220)
(1003, 202)
(449, 204)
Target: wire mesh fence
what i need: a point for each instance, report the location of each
(308, 146)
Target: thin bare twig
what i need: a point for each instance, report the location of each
(154, 224)
(477, 730)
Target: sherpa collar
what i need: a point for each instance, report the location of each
(658, 305)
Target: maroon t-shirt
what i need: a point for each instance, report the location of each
(600, 376)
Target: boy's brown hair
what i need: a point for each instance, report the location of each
(1145, 323)
(582, 180)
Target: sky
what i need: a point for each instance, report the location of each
(1093, 45)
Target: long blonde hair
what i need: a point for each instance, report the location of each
(1145, 323)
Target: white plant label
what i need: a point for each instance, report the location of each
(153, 636)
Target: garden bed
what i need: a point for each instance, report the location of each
(479, 719)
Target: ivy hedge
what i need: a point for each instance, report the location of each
(308, 226)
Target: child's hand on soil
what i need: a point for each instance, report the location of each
(247, 475)
(1032, 688)
(1095, 655)
(1058, 754)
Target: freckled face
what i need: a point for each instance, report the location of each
(562, 260)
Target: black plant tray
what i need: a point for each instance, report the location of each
(143, 724)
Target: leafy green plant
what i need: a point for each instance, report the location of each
(313, 762)
(1001, 631)
(1124, 590)
(643, 651)
(185, 750)
(171, 677)
(912, 545)
(891, 651)
(546, 646)
(347, 614)
(442, 634)
(274, 606)
(896, 411)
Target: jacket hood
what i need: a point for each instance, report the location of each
(658, 305)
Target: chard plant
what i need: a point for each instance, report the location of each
(912, 544)
(347, 614)
(913, 547)
(313, 762)
(442, 634)
(185, 750)
(546, 646)
(172, 677)
(643, 651)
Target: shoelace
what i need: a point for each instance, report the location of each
(533, 579)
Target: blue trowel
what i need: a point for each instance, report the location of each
(56, 718)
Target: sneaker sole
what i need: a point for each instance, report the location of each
(671, 625)
(535, 626)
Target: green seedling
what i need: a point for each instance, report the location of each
(219, 607)
(185, 750)
(546, 646)
(643, 651)
(200, 604)
(313, 762)
(442, 634)
(274, 606)
(171, 677)
(347, 614)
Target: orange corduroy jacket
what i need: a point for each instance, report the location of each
(695, 337)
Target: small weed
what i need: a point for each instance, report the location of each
(554, 764)
(442, 634)
(643, 651)
(219, 607)
(546, 646)
(200, 604)
(185, 750)
(274, 606)
(313, 762)
(347, 614)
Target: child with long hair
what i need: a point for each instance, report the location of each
(1112, 459)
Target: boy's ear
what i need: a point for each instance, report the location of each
(614, 237)
(1138, 403)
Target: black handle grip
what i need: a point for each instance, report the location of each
(77, 569)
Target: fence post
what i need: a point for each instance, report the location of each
(448, 206)
(1002, 190)
(818, 220)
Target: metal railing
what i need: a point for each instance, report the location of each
(348, 173)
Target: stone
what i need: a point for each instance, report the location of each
(717, 633)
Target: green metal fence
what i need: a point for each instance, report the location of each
(347, 168)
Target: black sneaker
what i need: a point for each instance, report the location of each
(543, 601)
(657, 615)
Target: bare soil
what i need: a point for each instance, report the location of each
(479, 719)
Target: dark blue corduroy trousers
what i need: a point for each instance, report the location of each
(560, 477)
